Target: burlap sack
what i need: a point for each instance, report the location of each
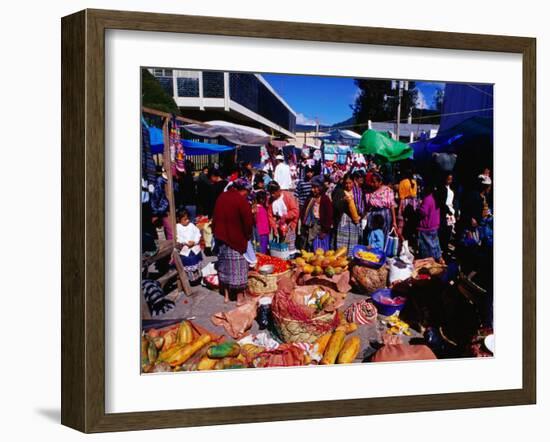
(370, 279)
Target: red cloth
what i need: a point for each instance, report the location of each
(233, 220)
(292, 212)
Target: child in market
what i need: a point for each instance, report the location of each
(376, 238)
(262, 221)
(188, 237)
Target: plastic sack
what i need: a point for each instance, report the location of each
(401, 268)
(392, 244)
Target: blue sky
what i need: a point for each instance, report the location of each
(328, 98)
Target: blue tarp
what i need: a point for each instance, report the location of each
(463, 101)
(157, 143)
(190, 147)
(196, 148)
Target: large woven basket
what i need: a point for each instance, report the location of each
(259, 284)
(292, 330)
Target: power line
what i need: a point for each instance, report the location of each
(415, 119)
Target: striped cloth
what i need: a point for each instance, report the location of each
(348, 233)
(359, 199)
(232, 268)
(302, 192)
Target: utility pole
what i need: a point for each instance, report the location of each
(400, 86)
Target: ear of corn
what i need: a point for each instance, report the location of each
(169, 340)
(334, 346)
(152, 352)
(206, 363)
(322, 342)
(167, 354)
(185, 333)
(349, 351)
(185, 352)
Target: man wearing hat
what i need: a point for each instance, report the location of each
(282, 173)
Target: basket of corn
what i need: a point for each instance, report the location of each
(372, 258)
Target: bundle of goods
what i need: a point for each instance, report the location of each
(329, 263)
(387, 302)
(268, 271)
(279, 249)
(362, 312)
(373, 258)
(305, 313)
(427, 268)
(403, 352)
(370, 279)
(173, 348)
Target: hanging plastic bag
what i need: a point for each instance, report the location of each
(392, 244)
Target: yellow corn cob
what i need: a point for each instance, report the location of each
(322, 342)
(334, 346)
(185, 333)
(185, 352)
(349, 350)
(167, 354)
(206, 363)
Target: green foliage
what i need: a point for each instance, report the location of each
(154, 96)
(370, 103)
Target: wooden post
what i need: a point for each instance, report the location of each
(167, 164)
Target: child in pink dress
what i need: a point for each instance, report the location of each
(262, 221)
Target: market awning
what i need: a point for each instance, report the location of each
(378, 143)
(234, 133)
(341, 136)
(197, 148)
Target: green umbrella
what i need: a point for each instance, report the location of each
(378, 143)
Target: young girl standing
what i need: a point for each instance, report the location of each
(262, 221)
(188, 238)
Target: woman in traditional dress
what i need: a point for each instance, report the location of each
(232, 227)
(283, 212)
(317, 217)
(380, 201)
(408, 203)
(346, 216)
(428, 226)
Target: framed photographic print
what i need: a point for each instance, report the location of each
(266, 221)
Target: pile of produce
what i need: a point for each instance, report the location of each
(397, 326)
(170, 349)
(329, 263)
(368, 256)
(335, 348)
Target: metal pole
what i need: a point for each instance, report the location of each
(398, 112)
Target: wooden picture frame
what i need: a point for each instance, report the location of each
(83, 219)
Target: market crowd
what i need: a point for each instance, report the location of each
(312, 204)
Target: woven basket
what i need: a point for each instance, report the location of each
(292, 330)
(259, 284)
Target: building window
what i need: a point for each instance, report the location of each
(188, 87)
(212, 84)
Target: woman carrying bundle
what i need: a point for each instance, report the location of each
(346, 217)
(380, 201)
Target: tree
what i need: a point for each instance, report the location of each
(371, 105)
(154, 96)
